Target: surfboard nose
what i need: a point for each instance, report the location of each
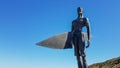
(37, 44)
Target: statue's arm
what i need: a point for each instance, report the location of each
(87, 24)
(88, 28)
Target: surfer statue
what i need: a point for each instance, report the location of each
(77, 38)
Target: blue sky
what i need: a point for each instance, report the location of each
(26, 22)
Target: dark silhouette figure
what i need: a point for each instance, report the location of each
(79, 43)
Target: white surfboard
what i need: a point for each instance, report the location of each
(60, 41)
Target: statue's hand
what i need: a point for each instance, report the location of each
(88, 43)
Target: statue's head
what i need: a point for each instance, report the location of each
(80, 10)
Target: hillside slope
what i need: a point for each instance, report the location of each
(112, 63)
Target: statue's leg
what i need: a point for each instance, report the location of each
(84, 57)
(84, 62)
(76, 50)
(79, 62)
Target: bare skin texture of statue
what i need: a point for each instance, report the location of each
(79, 43)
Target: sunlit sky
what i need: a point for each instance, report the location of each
(23, 23)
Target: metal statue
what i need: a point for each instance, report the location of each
(77, 38)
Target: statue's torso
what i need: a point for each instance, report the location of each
(78, 24)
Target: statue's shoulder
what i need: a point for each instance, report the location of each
(74, 21)
(85, 19)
